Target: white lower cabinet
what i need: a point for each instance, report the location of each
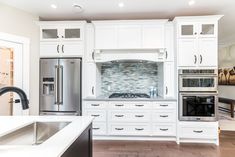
(99, 128)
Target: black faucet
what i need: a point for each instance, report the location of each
(20, 92)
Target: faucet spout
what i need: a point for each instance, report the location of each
(20, 92)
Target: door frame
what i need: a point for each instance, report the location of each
(26, 58)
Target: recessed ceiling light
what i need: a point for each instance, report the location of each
(53, 6)
(121, 4)
(191, 2)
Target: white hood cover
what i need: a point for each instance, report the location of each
(155, 55)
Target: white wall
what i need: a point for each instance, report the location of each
(17, 22)
(227, 60)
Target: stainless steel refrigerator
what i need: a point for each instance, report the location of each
(60, 86)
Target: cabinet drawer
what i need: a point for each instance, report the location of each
(99, 115)
(95, 104)
(99, 128)
(165, 105)
(198, 132)
(129, 129)
(160, 129)
(140, 105)
(119, 105)
(164, 116)
(137, 116)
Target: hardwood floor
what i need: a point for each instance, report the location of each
(165, 149)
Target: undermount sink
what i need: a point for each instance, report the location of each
(33, 134)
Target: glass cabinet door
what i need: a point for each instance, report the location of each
(72, 33)
(187, 30)
(208, 29)
(47, 34)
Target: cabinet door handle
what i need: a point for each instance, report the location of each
(166, 55)
(119, 116)
(62, 48)
(92, 90)
(139, 116)
(200, 59)
(93, 55)
(95, 104)
(195, 33)
(119, 105)
(164, 116)
(58, 48)
(166, 90)
(198, 131)
(96, 128)
(195, 59)
(164, 129)
(139, 129)
(139, 105)
(163, 105)
(119, 129)
(95, 115)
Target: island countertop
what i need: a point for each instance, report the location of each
(55, 146)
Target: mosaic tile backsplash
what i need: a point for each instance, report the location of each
(128, 77)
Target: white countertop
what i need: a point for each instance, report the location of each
(54, 146)
(105, 98)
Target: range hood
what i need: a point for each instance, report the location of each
(154, 55)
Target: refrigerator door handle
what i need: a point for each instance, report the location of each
(56, 84)
(61, 85)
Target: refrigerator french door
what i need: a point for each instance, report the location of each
(60, 86)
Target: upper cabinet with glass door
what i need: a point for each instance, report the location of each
(58, 31)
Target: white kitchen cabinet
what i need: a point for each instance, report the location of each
(153, 36)
(90, 43)
(90, 79)
(169, 80)
(187, 29)
(208, 52)
(129, 36)
(132, 34)
(62, 39)
(187, 53)
(106, 37)
(169, 42)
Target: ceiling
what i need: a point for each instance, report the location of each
(133, 9)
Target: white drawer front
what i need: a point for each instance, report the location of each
(198, 132)
(123, 116)
(164, 116)
(99, 115)
(130, 105)
(165, 105)
(140, 105)
(99, 128)
(160, 129)
(129, 129)
(95, 104)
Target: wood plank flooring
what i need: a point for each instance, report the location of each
(165, 149)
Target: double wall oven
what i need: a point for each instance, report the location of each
(198, 95)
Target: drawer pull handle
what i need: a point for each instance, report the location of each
(198, 131)
(119, 129)
(96, 128)
(95, 115)
(139, 105)
(95, 104)
(119, 116)
(164, 116)
(164, 129)
(163, 105)
(119, 105)
(139, 129)
(139, 116)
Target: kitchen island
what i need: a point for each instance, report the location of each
(73, 139)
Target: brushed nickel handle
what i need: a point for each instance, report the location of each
(164, 129)
(95, 104)
(164, 116)
(92, 90)
(58, 48)
(119, 129)
(166, 90)
(119, 105)
(166, 54)
(163, 105)
(62, 48)
(139, 116)
(139, 129)
(95, 115)
(119, 116)
(195, 59)
(200, 59)
(96, 128)
(56, 84)
(93, 55)
(61, 85)
(139, 105)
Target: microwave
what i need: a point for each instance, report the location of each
(198, 80)
(195, 106)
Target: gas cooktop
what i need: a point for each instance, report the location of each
(129, 95)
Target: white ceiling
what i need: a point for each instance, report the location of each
(133, 9)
